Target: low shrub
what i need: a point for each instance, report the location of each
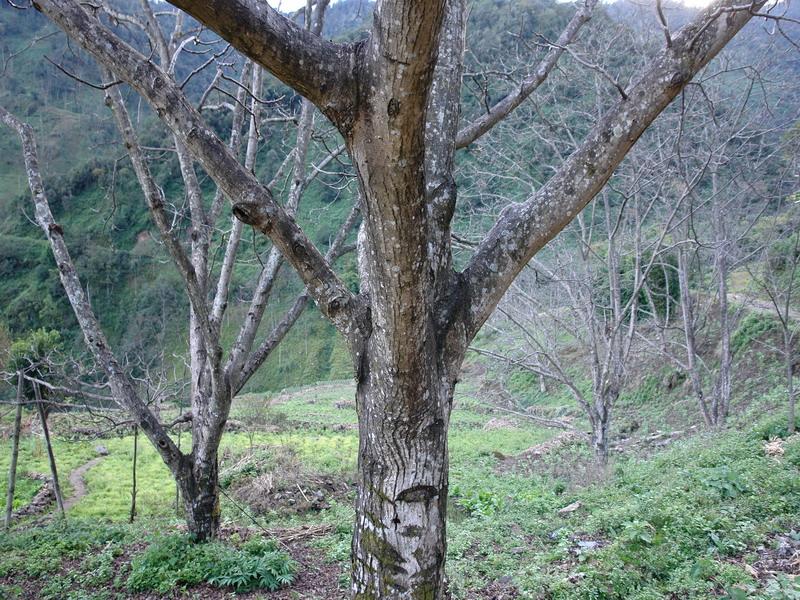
(175, 560)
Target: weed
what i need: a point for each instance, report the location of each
(174, 560)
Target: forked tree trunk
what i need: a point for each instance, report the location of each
(399, 542)
(407, 328)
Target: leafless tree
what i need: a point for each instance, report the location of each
(582, 299)
(777, 280)
(394, 97)
(215, 378)
(723, 174)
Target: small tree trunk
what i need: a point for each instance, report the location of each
(50, 455)
(599, 420)
(722, 394)
(133, 473)
(787, 350)
(12, 469)
(399, 543)
(687, 314)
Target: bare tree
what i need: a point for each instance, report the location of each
(777, 279)
(584, 298)
(721, 173)
(394, 97)
(215, 378)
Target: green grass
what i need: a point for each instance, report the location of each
(682, 523)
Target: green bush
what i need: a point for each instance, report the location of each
(777, 427)
(175, 560)
(752, 327)
(482, 503)
(725, 481)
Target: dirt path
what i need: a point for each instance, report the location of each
(760, 306)
(78, 484)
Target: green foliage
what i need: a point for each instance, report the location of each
(724, 481)
(662, 282)
(649, 391)
(30, 350)
(483, 503)
(36, 551)
(772, 427)
(792, 452)
(778, 588)
(175, 560)
(783, 588)
(753, 327)
(638, 535)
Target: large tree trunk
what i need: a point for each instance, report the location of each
(199, 485)
(399, 541)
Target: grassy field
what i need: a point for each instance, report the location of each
(707, 515)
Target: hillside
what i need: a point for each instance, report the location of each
(94, 194)
(595, 400)
(681, 513)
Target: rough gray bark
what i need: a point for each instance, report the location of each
(409, 326)
(12, 467)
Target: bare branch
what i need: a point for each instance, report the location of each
(503, 108)
(320, 70)
(525, 228)
(255, 206)
(121, 384)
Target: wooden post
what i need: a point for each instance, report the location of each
(12, 469)
(50, 456)
(135, 454)
(177, 487)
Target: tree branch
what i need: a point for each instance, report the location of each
(255, 206)
(503, 108)
(320, 70)
(279, 331)
(523, 229)
(123, 388)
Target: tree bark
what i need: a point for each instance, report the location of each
(600, 420)
(399, 541)
(599, 424)
(133, 473)
(12, 468)
(198, 481)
